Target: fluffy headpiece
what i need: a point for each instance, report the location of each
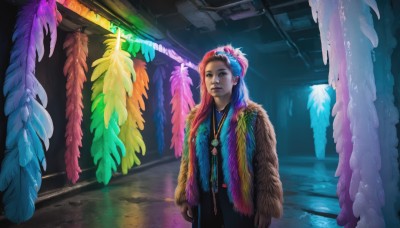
(235, 59)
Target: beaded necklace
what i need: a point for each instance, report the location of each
(214, 153)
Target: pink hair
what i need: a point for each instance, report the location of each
(239, 92)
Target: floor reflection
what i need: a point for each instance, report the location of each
(145, 199)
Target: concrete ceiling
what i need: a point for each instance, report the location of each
(279, 36)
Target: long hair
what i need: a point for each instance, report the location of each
(235, 60)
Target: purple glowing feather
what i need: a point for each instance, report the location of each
(28, 121)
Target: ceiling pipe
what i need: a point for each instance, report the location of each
(284, 35)
(227, 6)
(286, 4)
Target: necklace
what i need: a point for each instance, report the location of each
(214, 153)
(215, 141)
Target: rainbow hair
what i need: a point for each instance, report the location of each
(236, 61)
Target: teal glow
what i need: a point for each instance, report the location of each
(319, 104)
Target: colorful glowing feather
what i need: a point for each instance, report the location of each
(182, 101)
(358, 34)
(148, 51)
(341, 125)
(133, 47)
(130, 133)
(319, 104)
(113, 77)
(28, 121)
(146, 47)
(387, 113)
(76, 45)
(158, 104)
(106, 143)
(365, 160)
(117, 67)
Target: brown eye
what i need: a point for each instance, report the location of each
(222, 74)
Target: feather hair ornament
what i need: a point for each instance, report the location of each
(130, 134)
(113, 80)
(28, 120)
(182, 101)
(117, 67)
(76, 46)
(159, 110)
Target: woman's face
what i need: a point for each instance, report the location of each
(219, 80)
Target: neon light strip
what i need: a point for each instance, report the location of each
(169, 52)
(90, 15)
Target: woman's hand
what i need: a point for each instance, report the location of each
(262, 221)
(186, 212)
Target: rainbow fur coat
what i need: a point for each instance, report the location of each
(249, 163)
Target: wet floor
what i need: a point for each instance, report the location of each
(145, 199)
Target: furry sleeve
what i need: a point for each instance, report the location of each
(268, 186)
(180, 191)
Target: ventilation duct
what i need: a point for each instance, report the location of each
(199, 19)
(235, 10)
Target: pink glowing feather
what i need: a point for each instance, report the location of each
(76, 47)
(341, 129)
(182, 101)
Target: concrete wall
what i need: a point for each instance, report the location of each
(49, 73)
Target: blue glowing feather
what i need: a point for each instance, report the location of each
(146, 48)
(148, 51)
(159, 110)
(28, 120)
(319, 103)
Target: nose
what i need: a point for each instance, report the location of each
(215, 80)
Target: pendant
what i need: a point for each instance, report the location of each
(214, 142)
(214, 151)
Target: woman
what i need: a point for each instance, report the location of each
(229, 169)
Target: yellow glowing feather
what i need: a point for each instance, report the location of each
(119, 74)
(130, 133)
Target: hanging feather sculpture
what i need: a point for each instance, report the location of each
(76, 46)
(182, 101)
(133, 47)
(130, 134)
(351, 42)
(366, 188)
(117, 68)
(319, 104)
(327, 14)
(148, 51)
(159, 110)
(388, 114)
(113, 76)
(146, 48)
(28, 120)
